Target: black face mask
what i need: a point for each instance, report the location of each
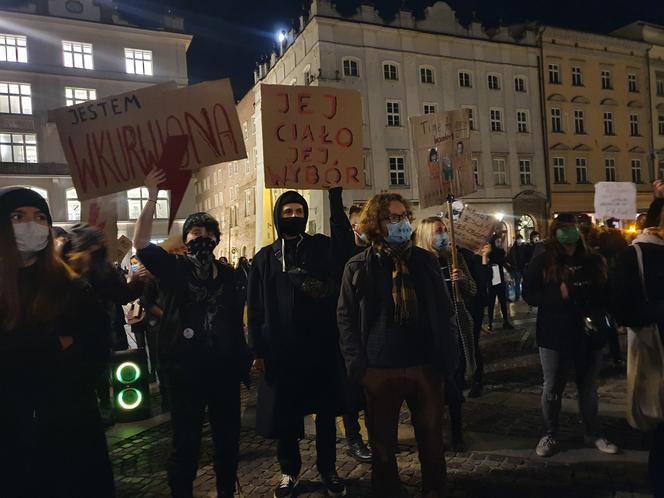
(201, 248)
(292, 226)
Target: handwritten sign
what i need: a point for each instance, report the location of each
(615, 200)
(102, 213)
(113, 142)
(473, 229)
(442, 148)
(312, 137)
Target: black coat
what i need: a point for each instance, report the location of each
(358, 302)
(560, 323)
(295, 334)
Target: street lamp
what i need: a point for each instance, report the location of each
(281, 36)
(499, 216)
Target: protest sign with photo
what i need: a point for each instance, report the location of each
(615, 200)
(473, 229)
(112, 143)
(312, 137)
(442, 148)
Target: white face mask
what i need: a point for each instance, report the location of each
(30, 237)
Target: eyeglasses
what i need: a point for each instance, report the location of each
(396, 218)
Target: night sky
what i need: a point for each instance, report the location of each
(231, 35)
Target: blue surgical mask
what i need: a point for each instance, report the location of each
(134, 268)
(441, 241)
(399, 233)
(361, 236)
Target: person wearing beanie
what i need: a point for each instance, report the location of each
(292, 295)
(51, 353)
(568, 283)
(201, 345)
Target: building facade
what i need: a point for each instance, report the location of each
(598, 116)
(55, 53)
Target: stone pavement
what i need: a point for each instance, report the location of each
(502, 428)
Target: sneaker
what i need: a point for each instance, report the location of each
(333, 483)
(603, 445)
(285, 488)
(547, 446)
(476, 391)
(359, 451)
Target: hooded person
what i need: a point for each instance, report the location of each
(51, 353)
(292, 295)
(201, 345)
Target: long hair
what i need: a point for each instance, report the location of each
(555, 272)
(424, 234)
(377, 210)
(54, 277)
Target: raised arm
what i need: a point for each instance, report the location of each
(143, 229)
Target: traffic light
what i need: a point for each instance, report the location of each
(131, 387)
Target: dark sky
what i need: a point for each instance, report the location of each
(230, 35)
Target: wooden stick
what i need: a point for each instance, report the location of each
(452, 246)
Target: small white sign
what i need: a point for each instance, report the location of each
(615, 200)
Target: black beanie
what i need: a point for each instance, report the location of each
(15, 197)
(201, 220)
(566, 219)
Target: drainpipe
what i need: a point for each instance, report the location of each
(545, 135)
(651, 153)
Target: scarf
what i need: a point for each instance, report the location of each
(403, 288)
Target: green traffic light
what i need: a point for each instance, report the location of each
(127, 372)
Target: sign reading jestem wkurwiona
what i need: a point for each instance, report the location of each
(312, 137)
(442, 147)
(112, 143)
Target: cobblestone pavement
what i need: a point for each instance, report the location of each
(502, 428)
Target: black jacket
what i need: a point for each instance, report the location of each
(630, 305)
(358, 302)
(560, 323)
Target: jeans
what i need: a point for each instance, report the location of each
(288, 449)
(498, 291)
(555, 366)
(386, 389)
(518, 284)
(220, 393)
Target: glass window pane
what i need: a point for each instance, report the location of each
(25, 90)
(4, 88)
(31, 139)
(14, 104)
(22, 54)
(19, 154)
(11, 55)
(148, 68)
(31, 153)
(13, 88)
(6, 153)
(147, 55)
(78, 60)
(4, 103)
(27, 105)
(130, 66)
(162, 209)
(69, 62)
(88, 61)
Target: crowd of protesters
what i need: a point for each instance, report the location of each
(380, 313)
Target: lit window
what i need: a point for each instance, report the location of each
(429, 108)
(390, 72)
(581, 170)
(520, 84)
(78, 55)
(476, 172)
(18, 147)
(138, 61)
(351, 68)
(493, 82)
(393, 113)
(496, 117)
(579, 122)
(426, 75)
(138, 197)
(74, 96)
(73, 205)
(499, 171)
(632, 83)
(465, 80)
(577, 76)
(15, 98)
(522, 121)
(556, 120)
(606, 80)
(559, 170)
(554, 74)
(397, 170)
(525, 172)
(13, 48)
(636, 171)
(610, 169)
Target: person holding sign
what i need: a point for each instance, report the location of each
(52, 350)
(202, 345)
(432, 236)
(568, 283)
(292, 293)
(394, 317)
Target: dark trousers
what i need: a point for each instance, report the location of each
(288, 449)
(354, 404)
(386, 389)
(555, 367)
(478, 318)
(220, 393)
(656, 461)
(518, 284)
(498, 291)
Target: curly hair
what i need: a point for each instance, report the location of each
(376, 211)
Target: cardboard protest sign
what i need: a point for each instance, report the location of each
(174, 244)
(123, 247)
(177, 179)
(312, 137)
(473, 229)
(103, 214)
(615, 200)
(442, 149)
(112, 143)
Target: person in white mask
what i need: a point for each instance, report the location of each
(50, 357)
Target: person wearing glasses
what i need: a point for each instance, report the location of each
(396, 335)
